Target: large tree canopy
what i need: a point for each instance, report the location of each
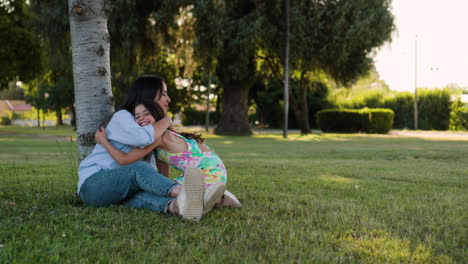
(146, 39)
(20, 53)
(335, 37)
(235, 43)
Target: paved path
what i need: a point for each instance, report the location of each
(455, 135)
(459, 135)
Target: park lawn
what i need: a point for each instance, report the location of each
(61, 131)
(315, 199)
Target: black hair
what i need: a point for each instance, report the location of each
(158, 113)
(154, 108)
(144, 88)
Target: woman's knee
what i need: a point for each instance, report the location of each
(106, 187)
(145, 169)
(141, 165)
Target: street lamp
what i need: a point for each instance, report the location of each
(286, 71)
(46, 96)
(415, 83)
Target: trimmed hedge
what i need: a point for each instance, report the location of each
(459, 116)
(377, 120)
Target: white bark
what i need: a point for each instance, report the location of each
(91, 68)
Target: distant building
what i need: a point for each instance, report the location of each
(20, 113)
(14, 106)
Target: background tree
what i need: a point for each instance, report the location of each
(335, 37)
(14, 92)
(20, 53)
(91, 68)
(51, 25)
(152, 37)
(37, 95)
(226, 37)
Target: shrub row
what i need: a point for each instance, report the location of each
(434, 107)
(367, 120)
(458, 116)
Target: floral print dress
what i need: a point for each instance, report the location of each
(209, 163)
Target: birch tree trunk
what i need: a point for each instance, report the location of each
(91, 68)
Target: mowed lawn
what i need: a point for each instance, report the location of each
(329, 198)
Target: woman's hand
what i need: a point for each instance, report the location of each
(100, 137)
(161, 126)
(171, 127)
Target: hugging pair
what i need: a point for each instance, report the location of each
(121, 168)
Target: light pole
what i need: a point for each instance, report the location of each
(46, 96)
(415, 82)
(207, 116)
(286, 71)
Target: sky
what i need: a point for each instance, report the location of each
(439, 31)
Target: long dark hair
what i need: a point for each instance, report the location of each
(158, 113)
(144, 88)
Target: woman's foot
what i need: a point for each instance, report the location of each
(191, 198)
(173, 207)
(213, 195)
(230, 200)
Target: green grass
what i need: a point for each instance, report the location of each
(61, 131)
(314, 199)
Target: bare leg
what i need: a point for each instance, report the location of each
(175, 191)
(173, 208)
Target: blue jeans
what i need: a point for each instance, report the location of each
(137, 185)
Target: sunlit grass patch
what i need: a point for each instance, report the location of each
(7, 139)
(211, 135)
(337, 179)
(378, 246)
(309, 137)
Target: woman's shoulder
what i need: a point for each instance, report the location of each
(122, 113)
(122, 116)
(121, 119)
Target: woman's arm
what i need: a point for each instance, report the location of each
(121, 157)
(122, 128)
(161, 126)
